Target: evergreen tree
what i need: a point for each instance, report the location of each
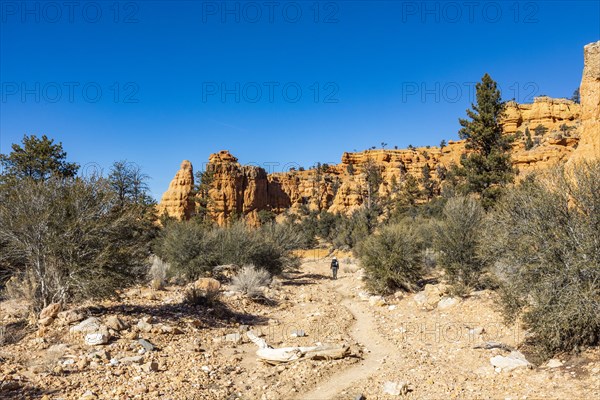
(408, 196)
(427, 183)
(487, 167)
(129, 184)
(566, 129)
(374, 179)
(576, 96)
(204, 181)
(443, 144)
(528, 141)
(38, 159)
(540, 130)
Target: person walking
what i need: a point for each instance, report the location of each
(334, 267)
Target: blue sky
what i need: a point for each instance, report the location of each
(156, 82)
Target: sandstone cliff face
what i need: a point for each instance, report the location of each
(236, 190)
(548, 112)
(177, 201)
(589, 146)
(572, 132)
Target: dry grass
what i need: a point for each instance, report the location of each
(158, 273)
(251, 281)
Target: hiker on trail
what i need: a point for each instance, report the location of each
(334, 267)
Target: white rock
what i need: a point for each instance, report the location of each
(392, 307)
(96, 338)
(395, 388)
(91, 324)
(554, 363)
(513, 361)
(363, 296)
(376, 301)
(447, 302)
(144, 325)
(420, 298)
(132, 360)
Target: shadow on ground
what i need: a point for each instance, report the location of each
(300, 279)
(18, 390)
(213, 315)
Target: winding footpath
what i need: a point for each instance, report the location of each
(363, 331)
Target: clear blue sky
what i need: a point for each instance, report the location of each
(397, 72)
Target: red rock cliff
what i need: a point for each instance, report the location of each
(572, 132)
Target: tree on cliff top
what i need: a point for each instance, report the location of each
(487, 167)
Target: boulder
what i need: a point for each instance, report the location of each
(377, 301)
(97, 338)
(144, 325)
(430, 296)
(50, 311)
(554, 363)
(207, 285)
(89, 325)
(70, 316)
(146, 345)
(115, 323)
(447, 302)
(515, 360)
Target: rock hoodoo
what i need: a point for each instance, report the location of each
(560, 130)
(177, 201)
(589, 146)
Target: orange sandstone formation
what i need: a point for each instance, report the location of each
(572, 132)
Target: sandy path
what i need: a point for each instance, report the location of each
(363, 331)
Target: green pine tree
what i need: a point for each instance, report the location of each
(487, 167)
(576, 96)
(427, 183)
(38, 159)
(528, 140)
(540, 130)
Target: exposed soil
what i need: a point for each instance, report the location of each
(431, 351)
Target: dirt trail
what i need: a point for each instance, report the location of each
(363, 331)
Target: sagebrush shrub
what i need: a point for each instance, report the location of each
(158, 273)
(392, 259)
(194, 250)
(457, 240)
(69, 238)
(544, 238)
(251, 281)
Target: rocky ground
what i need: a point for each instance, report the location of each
(415, 346)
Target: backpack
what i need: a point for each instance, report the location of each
(334, 264)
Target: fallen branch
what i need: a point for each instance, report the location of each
(288, 354)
